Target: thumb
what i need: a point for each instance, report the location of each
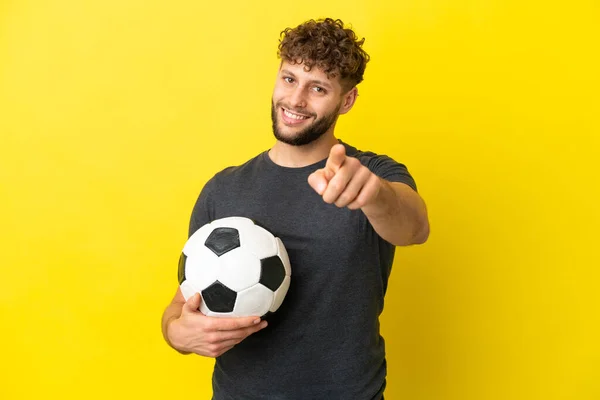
(192, 304)
(319, 179)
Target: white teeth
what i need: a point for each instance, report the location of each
(294, 116)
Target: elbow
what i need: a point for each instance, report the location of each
(419, 237)
(422, 234)
(422, 231)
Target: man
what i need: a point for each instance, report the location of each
(339, 212)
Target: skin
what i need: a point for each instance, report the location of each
(310, 94)
(396, 211)
(187, 330)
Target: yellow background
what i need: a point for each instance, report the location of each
(114, 113)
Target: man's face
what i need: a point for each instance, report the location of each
(305, 104)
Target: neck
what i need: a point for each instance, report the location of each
(290, 156)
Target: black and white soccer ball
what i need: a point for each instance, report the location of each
(239, 268)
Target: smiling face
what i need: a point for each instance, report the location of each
(306, 104)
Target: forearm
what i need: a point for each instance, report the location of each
(398, 214)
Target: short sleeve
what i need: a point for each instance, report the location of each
(203, 210)
(387, 168)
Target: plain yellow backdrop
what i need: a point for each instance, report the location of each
(113, 114)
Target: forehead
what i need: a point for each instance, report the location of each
(315, 74)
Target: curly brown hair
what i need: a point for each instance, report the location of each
(326, 44)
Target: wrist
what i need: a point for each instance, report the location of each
(378, 207)
(171, 334)
(167, 330)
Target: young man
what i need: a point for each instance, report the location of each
(340, 213)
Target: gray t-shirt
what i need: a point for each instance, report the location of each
(324, 341)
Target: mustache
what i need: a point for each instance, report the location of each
(295, 110)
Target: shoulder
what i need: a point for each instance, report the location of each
(368, 158)
(382, 165)
(231, 177)
(242, 171)
(224, 182)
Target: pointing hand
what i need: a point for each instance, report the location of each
(345, 181)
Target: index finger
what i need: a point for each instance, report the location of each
(337, 155)
(232, 324)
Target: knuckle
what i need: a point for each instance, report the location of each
(359, 202)
(209, 324)
(345, 196)
(213, 354)
(338, 187)
(376, 180)
(231, 325)
(211, 338)
(328, 174)
(343, 199)
(250, 331)
(334, 185)
(353, 206)
(365, 173)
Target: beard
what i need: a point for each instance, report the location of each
(308, 134)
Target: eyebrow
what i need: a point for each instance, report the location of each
(316, 81)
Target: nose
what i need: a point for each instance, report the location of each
(298, 97)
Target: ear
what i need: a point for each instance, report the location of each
(348, 100)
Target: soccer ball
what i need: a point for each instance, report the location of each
(239, 268)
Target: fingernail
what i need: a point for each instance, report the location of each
(256, 321)
(264, 324)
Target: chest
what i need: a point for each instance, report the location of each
(333, 251)
(291, 210)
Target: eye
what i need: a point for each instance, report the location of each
(287, 79)
(319, 89)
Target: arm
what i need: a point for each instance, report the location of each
(171, 313)
(398, 214)
(187, 330)
(396, 211)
